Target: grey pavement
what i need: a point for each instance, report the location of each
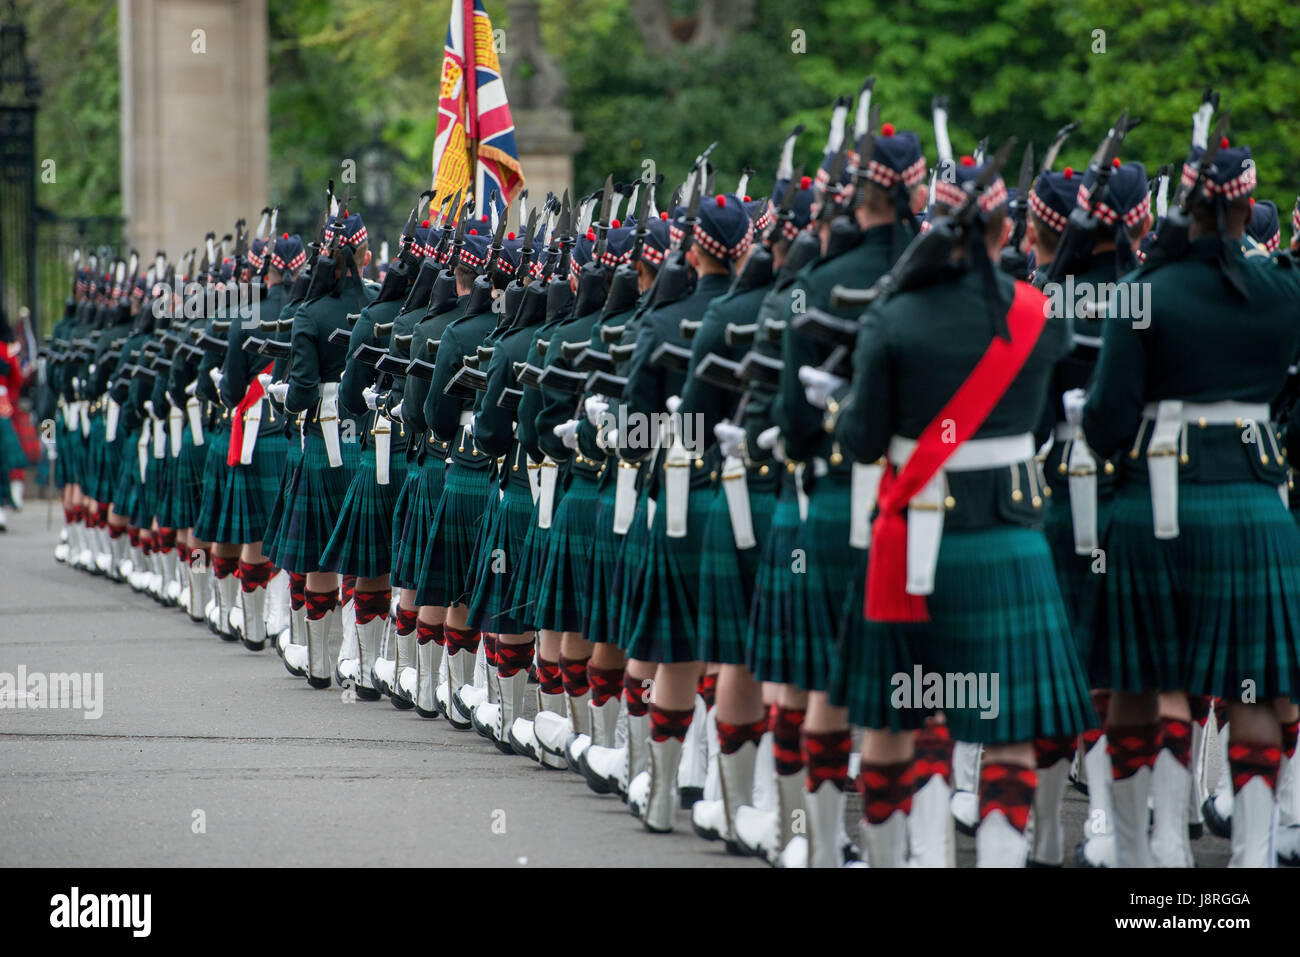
(282, 774)
(209, 755)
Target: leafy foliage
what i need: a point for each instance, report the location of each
(347, 72)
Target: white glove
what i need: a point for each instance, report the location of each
(567, 433)
(673, 403)
(770, 439)
(148, 407)
(395, 413)
(595, 406)
(819, 386)
(1073, 402)
(277, 391)
(265, 379)
(216, 375)
(371, 395)
(189, 389)
(731, 438)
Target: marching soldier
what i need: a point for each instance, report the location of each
(663, 603)
(949, 377)
(321, 479)
(1196, 501)
(259, 438)
(1119, 210)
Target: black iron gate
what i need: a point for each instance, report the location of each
(19, 90)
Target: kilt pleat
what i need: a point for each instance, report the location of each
(127, 492)
(275, 520)
(208, 520)
(665, 625)
(250, 492)
(496, 565)
(1214, 611)
(446, 563)
(727, 576)
(422, 489)
(69, 467)
(560, 601)
(767, 634)
(1074, 574)
(995, 616)
(91, 485)
(523, 585)
(187, 480)
(362, 541)
(312, 508)
(153, 490)
(818, 594)
(628, 568)
(600, 619)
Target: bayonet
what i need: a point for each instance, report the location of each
(939, 111)
(863, 119)
(1054, 150)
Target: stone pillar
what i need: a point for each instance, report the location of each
(544, 131)
(194, 119)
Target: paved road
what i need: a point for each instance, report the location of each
(199, 735)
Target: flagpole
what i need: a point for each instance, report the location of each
(471, 95)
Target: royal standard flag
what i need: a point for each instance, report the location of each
(474, 117)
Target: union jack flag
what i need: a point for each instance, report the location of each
(474, 114)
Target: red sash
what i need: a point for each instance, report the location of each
(887, 597)
(250, 399)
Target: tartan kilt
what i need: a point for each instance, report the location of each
(664, 626)
(127, 491)
(767, 635)
(208, 520)
(153, 493)
(92, 486)
(996, 613)
(362, 541)
(112, 467)
(11, 456)
(600, 612)
(627, 570)
(250, 492)
(312, 507)
(727, 576)
(275, 520)
(1074, 577)
(448, 556)
(187, 479)
(523, 586)
(71, 448)
(818, 594)
(413, 517)
(498, 553)
(560, 598)
(1209, 610)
